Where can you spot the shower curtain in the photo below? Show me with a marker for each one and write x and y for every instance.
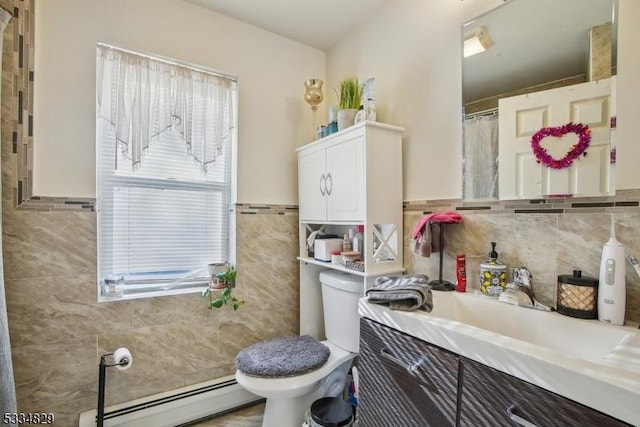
(7, 386)
(480, 153)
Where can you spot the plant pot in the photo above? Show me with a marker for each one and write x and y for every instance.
(216, 284)
(346, 118)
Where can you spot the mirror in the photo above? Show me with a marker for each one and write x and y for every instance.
(530, 46)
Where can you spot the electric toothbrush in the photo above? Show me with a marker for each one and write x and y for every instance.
(612, 284)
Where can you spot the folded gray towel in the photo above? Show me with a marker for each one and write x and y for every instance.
(407, 293)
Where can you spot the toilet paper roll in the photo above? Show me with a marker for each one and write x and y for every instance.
(123, 359)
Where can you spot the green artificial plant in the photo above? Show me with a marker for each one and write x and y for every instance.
(228, 281)
(350, 94)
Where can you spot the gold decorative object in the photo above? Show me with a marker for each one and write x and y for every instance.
(313, 96)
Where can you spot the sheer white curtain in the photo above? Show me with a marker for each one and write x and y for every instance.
(7, 386)
(480, 151)
(142, 97)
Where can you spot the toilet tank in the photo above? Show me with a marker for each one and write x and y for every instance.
(340, 295)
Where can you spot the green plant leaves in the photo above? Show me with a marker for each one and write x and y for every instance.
(224, 299)
(350, 93)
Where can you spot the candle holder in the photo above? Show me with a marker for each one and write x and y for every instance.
(313, 96)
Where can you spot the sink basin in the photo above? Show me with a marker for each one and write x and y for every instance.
(590, 340)
(587, 361)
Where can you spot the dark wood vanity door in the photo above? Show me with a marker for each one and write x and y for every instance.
(492, 398)
(404, 381)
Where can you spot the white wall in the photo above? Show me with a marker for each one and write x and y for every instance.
(413, 49)
(271, 70)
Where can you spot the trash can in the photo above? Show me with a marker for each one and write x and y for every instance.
(331, 412)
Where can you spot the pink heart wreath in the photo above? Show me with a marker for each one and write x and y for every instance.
(542, 156)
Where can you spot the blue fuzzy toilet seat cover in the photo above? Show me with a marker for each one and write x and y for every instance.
(283, 357)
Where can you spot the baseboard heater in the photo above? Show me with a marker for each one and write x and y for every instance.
(176, 407)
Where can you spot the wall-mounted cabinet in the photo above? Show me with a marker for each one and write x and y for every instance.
(354, 178)
(348, 180)
(331, 180)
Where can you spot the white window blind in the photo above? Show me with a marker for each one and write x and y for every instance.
(164, 138)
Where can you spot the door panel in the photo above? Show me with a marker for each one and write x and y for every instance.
(490, 398)
(311, 186)
(404, 381)
(521, 176)
(345, 175)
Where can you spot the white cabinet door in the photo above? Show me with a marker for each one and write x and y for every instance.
(345, 181)
(521, 176)
(312, 186)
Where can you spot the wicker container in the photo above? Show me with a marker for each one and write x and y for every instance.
(578, 295)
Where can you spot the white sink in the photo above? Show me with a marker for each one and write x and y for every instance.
(587, 361)
(590, 340)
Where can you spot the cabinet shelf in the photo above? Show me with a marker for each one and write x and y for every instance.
(340, 267)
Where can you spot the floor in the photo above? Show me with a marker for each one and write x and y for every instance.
(247, 417)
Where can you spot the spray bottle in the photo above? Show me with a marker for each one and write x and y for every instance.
(612, 283)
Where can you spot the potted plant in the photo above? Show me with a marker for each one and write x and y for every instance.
(349, 99)
(225, 281)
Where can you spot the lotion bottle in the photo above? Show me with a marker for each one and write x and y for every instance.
(612, 283)
(493, 274)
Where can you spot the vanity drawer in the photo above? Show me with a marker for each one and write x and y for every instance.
(404, 381)
(491, 398)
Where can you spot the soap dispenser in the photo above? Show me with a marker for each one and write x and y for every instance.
(493, 274)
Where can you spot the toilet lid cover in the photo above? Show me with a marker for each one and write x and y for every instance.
(283, 357)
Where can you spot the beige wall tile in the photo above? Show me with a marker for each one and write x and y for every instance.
(52, 373)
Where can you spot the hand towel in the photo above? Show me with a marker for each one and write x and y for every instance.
(448, 217)
(426, 232)
(408, 293)
(426, 243)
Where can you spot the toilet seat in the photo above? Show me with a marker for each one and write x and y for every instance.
(283, 357)
(295, 385)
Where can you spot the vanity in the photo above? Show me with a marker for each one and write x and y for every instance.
(475, 361)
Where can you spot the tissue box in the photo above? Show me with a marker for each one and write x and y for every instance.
(322, 248)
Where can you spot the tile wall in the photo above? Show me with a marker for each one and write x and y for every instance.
(548, 237)
(58, 330)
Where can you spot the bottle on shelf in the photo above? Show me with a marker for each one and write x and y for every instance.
(357, 243)
(346, 243)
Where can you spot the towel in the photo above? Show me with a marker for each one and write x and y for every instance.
(428, 228)
(448, 217)
(407, 293)
(426, 244)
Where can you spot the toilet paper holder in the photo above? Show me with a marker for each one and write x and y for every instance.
(121, 360)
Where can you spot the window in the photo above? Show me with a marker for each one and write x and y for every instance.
(165, 134)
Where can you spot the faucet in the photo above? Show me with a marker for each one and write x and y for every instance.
(520, 291)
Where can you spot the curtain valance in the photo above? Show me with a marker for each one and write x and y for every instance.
(142, 97)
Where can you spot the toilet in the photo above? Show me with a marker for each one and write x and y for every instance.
(289, 397)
